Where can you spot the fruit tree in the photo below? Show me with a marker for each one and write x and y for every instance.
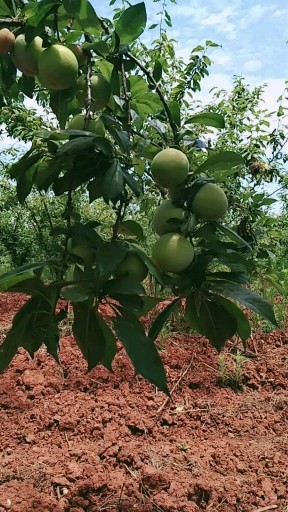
(120, 130)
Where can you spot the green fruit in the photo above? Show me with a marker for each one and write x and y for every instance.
(163, 213)
(132, 266)
(172, 253)
(100, 91)
(81, 251)
(25, 56)
(170, 168)
(58, 68)
(210, 202)
(79, 54)
(94, 125)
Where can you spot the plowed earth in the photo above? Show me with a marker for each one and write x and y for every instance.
(78, 442)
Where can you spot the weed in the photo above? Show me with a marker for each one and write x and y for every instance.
(231, 378)
(183, 447)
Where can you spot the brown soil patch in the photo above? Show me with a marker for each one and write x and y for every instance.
(78, 442)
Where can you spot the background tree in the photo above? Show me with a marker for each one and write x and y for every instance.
(137, 122)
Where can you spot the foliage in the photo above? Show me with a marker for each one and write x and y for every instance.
(149, 109)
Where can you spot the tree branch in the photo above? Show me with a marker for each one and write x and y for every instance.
(11, 22)
(152, 81)
(126, 98)
(159, 92)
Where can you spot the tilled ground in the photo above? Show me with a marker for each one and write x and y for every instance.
(80, 442)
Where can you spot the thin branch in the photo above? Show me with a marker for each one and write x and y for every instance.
(126, 98)
(56, 26)
(159, 92)
(46, 210)
(104, 25)
(120, 214)
(89, 93)
(275, 155)
(37, 225)
(67, 214)
(11, 22)
(183, 374)
(150, 78)
(265, 509)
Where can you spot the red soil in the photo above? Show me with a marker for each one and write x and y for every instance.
(80, 442)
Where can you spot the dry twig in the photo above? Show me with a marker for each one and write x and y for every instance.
(183, 374)
(265, 509)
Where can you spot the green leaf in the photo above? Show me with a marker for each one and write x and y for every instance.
(157, 71)
(226, 160)
(236, 277)
(191, 312)
(87, 18)
(19, 274)
(42, 11)
(174, 108)
(212, 320)
(88, 336)
(138, 86)
(132, 302)
(4, 11)
(59, 103)
(132, 183)
(110, 343)
(140, 349)
(114, 181)
(233, 236)
(124, 284)
(131, 228)
(77, 292)
(234, 260)
(74, 7)
(109, 257)
(9, 281)
(247, 297)
(131, 23)
(27, 161)
(46, 172)
(149, 103)
(162, 318)
(207, 119)
(33, 324)
(121, 138)
(243, 326)
(11, 343)
(27, 85)
(25, 183)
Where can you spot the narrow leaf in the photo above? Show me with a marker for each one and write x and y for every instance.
(207, 119)
(243, 326)
(247, 297)
(131, 24)
(88, 336)
(140, 349)
(162, 318)
(226, 160)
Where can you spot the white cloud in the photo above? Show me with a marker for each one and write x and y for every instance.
(255, 13)
(252, 65)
